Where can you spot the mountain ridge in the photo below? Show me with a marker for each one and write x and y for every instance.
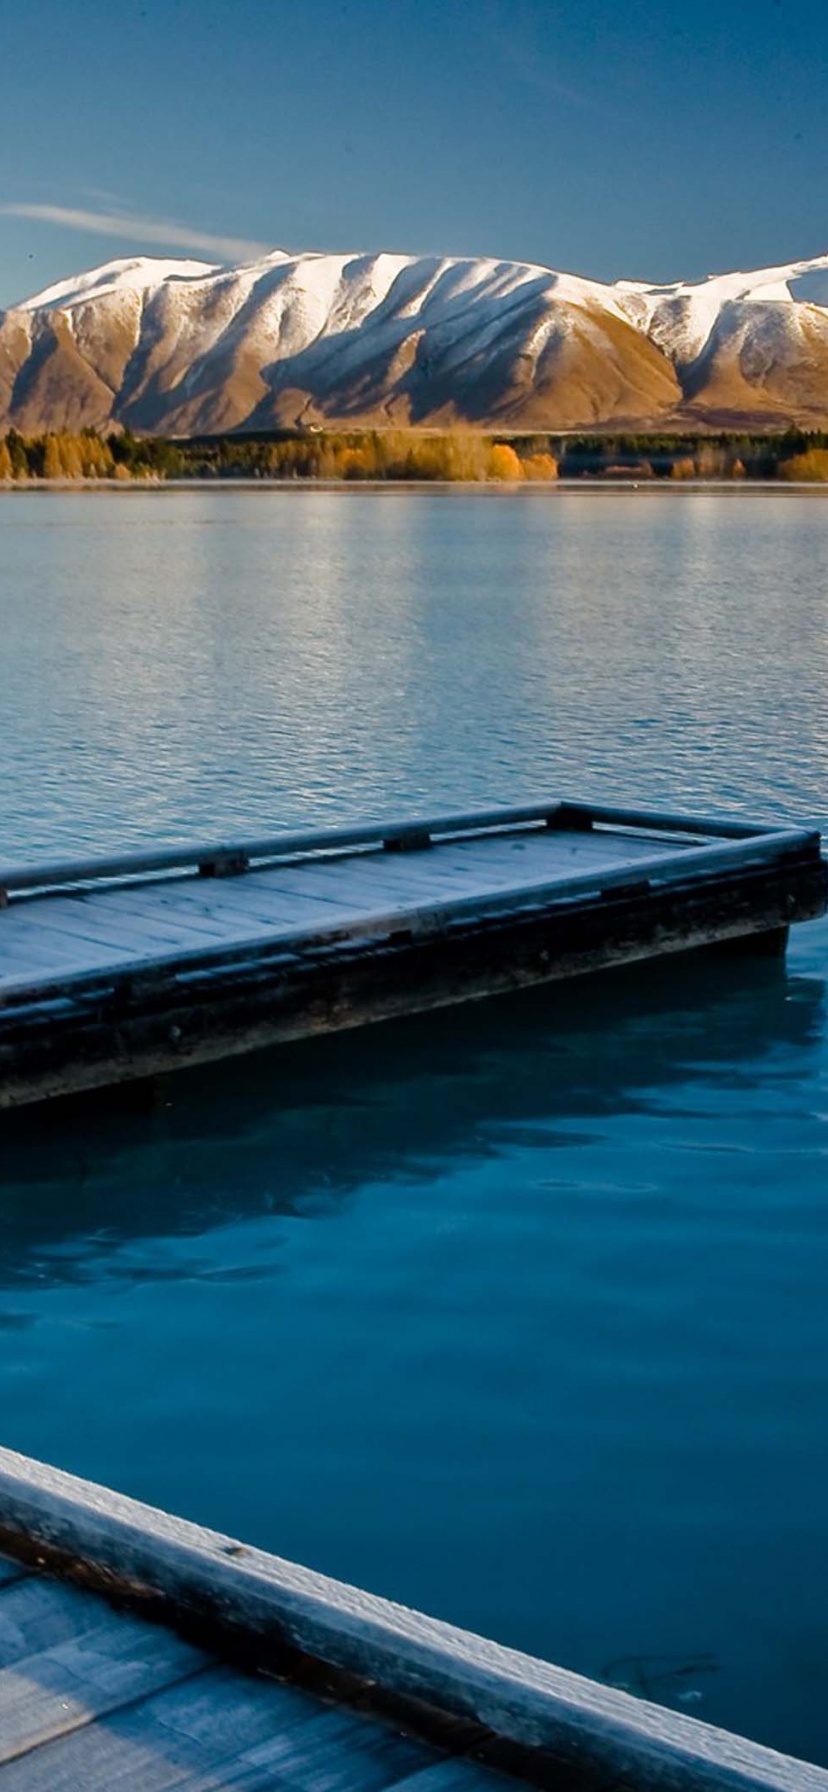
(183, 347)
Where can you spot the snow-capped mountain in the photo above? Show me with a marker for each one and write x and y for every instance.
(183, 348)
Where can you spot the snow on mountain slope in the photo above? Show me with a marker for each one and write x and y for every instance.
(184, 347)
(682, 318)
(133, 275)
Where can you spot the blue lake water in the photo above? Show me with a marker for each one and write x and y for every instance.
(515, 1313)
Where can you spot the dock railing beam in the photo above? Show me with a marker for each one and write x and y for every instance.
(602, 1739)
(223, 858)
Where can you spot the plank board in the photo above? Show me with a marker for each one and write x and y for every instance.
(542, 857)
(182, 1735)
(169, 905)
(34, 1616)
(337, 1751)
(120, 1661)
(396, 878)
(257, 902)
(75, 926)
(26, 950)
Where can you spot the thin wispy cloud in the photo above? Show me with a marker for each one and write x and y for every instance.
(515, 39)
(160, 231)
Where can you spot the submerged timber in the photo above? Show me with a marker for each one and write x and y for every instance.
(144, 1652)
(121, 968)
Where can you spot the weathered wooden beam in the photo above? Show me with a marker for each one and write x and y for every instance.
(50, 874)
(600, 1739)
(724, 826)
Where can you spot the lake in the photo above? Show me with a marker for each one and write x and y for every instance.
(515, 1313)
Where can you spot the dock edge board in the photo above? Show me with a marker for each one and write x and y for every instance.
(180, 1573)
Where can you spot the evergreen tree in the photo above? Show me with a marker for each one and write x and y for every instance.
(17, 450)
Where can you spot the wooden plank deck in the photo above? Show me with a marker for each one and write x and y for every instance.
(124, 967)
(139, 1653)
(93, 1698)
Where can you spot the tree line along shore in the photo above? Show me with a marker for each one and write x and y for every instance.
(454, 456)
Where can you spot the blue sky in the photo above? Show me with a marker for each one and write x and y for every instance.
(628, 138)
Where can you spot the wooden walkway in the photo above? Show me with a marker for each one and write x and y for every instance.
(139, 1653)
(93, 1699)
(124, 967)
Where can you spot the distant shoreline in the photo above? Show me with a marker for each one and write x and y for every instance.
(417, 487)
(330, 458)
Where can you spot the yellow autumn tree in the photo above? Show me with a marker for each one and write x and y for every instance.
(357, 463)
(504, 463)
(684, 468)
(540, 467)
(5, 462)
(52, 458)
(95, 458)
(465, 455)
(326, 467)
(63, 455)
(71, 456)
(812, 467)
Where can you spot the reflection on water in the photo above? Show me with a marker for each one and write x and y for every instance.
(331, 1115)
(181, 662)
(515, 1313)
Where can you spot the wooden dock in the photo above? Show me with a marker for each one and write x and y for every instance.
(135, 965)
(140, 1653)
